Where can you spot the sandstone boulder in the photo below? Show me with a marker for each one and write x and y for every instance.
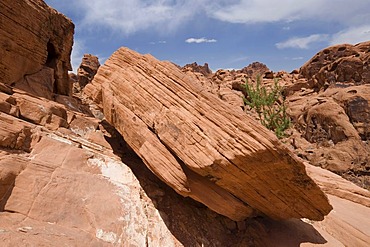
(195, 143)
(67, 185)
(35, 39)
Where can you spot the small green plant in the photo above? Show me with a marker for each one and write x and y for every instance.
(269, 104)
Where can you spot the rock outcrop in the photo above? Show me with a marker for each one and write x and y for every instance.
(35, 47)
(331, 111)
(349, 64)
(194, 142)
(255, 69)
(86, 72)
(335, 128)
(194, 67)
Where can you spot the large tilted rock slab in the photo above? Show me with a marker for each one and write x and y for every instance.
(34, 37)
(199, 145)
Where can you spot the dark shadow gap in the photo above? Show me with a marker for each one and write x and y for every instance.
(51, 62)
(6, 188)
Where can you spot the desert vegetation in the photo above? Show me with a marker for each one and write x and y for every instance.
(269, 104)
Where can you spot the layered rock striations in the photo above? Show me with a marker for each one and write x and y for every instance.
(35, 46)
(67, 177)
(200, 146)
(62, 184)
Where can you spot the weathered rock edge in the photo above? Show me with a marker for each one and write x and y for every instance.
(199, 146)
(34, 36)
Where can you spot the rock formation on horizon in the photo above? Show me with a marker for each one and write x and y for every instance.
(194, 67)
(68, 178)
(345, 63)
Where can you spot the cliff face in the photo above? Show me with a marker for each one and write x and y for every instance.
(36, 43)
(68, 177)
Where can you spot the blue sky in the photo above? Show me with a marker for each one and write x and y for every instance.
(226, 34)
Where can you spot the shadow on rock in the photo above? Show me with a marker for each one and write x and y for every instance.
(193, 224)
(291, 233)
(7, 182)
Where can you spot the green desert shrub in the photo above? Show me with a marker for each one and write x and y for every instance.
(269, 104)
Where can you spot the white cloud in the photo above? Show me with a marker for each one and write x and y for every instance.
(158, 42)
(77, 54)
(130, 16)
(254, 11)
(352, 35)
(302, 42)
(200, 40)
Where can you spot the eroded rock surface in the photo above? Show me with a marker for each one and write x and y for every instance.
(35, 44)
(194, 67)
(330, 123)
(197, 145)
(86, 72)
(335, 127)
(343, 63)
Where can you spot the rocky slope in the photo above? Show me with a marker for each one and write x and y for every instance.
(330, 113)
(67, 177)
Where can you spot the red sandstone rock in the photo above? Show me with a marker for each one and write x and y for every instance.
(86, 72)
(339, 64)
(255, 69)
(34, 36)
(191, 140)
(194, 67)
(63, 182)
(335, 127)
